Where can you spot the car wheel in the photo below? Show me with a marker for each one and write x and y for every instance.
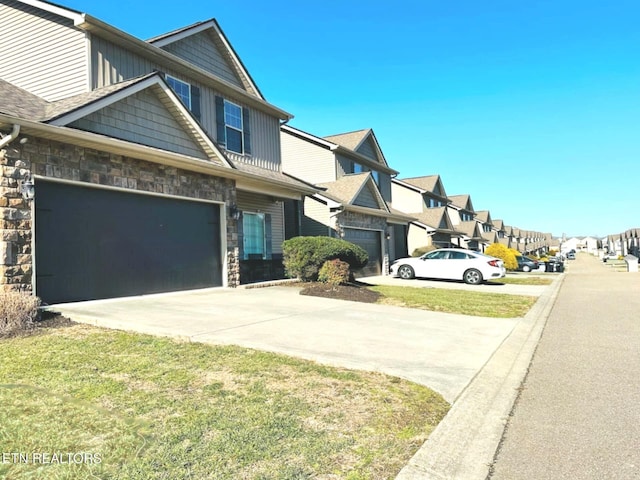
(406, 272)
(472, 277)
(526, 268)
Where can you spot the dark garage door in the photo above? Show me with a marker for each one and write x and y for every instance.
(95, 243)
(370, 241)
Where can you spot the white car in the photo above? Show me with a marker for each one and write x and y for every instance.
(452, 264)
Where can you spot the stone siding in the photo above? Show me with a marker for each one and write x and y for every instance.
(56, 160)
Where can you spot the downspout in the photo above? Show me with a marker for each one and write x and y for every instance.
(11, 137)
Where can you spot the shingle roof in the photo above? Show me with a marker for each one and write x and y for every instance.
(349, 140)
(346, 188)
(427, 183)
(431, 217)
(460, 200)
(468, 228)
(483, 216)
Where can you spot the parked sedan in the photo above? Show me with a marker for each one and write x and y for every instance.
(526, 264)
(452, 264)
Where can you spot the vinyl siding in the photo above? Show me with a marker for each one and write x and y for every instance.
(307, 161)
(405, 199)
(41, 52)
(201, 50)
(143, 119)
(343, 165)
(367, 149)
(113, 64)
(252, 202)
(385, 187)
(417, 238)
(315, 218)
(454, 216)
(366, 198)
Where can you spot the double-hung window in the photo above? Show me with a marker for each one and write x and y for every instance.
(233, 126)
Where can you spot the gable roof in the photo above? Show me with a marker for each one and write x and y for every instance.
(87, 23)
(470, 229)
(348, 188)
(211, 27)
(498, 224)
(436, 218)
(429, 183)
(462, 201)
(355, 141)
(484, 216)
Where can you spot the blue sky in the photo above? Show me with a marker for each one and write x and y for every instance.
(532, 108)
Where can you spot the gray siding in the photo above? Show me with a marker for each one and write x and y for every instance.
(143, 119)
(366, 198)
(307, 161)
(344, 165)
(41, 52)
(253, 202)
(113, 64)
(315, 218)
(368, 150)
(201, 50)
(385, 187)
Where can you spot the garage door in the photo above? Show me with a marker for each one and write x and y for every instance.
(96, 243)
(370, 241)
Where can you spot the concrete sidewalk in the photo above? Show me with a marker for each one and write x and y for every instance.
(578, 416)
(463, 445)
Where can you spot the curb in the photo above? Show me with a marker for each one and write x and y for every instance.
(464, 444)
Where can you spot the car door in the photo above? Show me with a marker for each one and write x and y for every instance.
(433, 265)
(457, 264)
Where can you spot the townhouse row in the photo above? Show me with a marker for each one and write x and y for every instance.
(132, 167)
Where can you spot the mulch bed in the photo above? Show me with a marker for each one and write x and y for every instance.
(47, 320)
(353, 292)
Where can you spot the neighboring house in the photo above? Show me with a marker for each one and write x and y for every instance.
(156, 164)
(354, 202)
(425, 199)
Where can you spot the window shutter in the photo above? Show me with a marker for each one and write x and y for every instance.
(246, 131)
(195, 101)
(267, 236)
(240, 237)
(220, 125)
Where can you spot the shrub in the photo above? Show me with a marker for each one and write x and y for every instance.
(334, 272)
(418, 252)
(505, 254)
(303, 256)
(18, 311)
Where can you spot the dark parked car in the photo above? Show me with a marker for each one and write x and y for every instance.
(571, 256)
(526, 264)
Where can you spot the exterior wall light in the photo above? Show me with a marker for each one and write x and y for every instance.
(27, 187)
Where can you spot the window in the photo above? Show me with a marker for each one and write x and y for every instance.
(357, 168)
(181, 89)
(253, 230)
(376, 177)
(233, 126)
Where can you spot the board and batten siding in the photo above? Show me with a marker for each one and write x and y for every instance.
(41, 52)
(147, 122)
(307, 161)
(112, 64)
(201, 50)
(257, 203)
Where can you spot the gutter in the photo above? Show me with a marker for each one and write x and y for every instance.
(11, 137)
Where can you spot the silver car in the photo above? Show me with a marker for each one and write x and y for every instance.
(452, 264)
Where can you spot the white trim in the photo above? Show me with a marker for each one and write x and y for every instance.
(187, 32)
(224, 254)
(226, 125)
(48, 7)
(179, 81)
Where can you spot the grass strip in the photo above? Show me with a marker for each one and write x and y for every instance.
(464, 302)
(155, 408)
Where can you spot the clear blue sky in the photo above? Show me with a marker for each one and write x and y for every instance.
(531, 107)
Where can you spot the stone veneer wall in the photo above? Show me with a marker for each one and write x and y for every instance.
(348, 219)
(83, 165)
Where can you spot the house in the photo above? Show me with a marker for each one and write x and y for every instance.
(353, 203)
(155, 164)
(425, 198)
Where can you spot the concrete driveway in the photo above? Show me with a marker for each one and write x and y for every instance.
(442, 351)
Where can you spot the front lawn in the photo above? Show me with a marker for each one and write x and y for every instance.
(463, 302)
(131, 406)
(528, 280)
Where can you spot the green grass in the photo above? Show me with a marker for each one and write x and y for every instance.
(153, 408)
(529, 280)
(463, 302)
